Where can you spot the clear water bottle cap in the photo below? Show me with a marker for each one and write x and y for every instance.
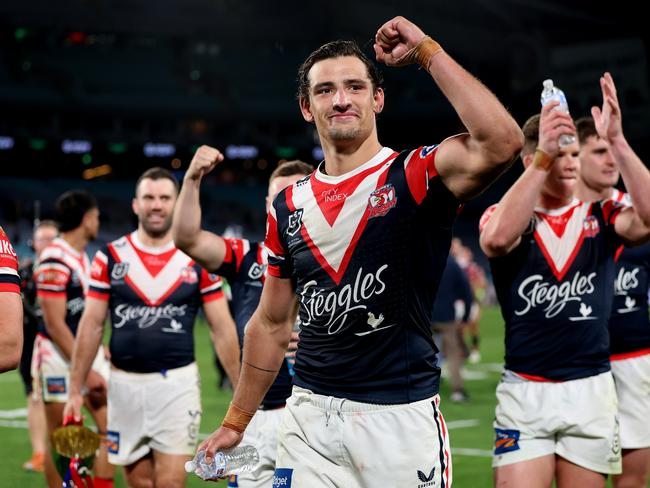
(190, 466)
(548, 84)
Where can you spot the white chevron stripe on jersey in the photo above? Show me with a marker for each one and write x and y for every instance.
(152, 289)
(333, 242)
(561, 251)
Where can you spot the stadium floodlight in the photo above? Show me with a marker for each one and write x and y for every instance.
(158, 150)
(241, 152)
(6, 143)
(76, 146)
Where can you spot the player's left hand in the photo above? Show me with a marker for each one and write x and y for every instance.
(394, 41)
(220, 439)
(608, 120)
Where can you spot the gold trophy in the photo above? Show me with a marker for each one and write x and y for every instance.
(76, 442)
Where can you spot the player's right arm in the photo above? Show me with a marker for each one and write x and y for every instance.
(265, 343)
(501, 231)
(206, 248)
(11, 318)
(86, 344)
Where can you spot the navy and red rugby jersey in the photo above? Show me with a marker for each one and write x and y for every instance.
(63, 272)
(365, 251)
(244, 267)
(9, 279)
(556, 290)
(154, 295)
(629, 325)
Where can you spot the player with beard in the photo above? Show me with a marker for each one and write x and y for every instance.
(552, 259)
(361, 244)
(629, 324)
(153, 292)
(62, 278)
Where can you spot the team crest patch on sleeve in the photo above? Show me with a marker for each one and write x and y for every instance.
(427, 150)
(507, 440)
(295, 222)
(112, 441)
(381, 201)
(56, 385)
(282, 478)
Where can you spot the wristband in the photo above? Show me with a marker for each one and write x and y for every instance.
(421, 53)
(542, 160)
(236, 419)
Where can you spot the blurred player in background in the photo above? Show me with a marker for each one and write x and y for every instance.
(153, 293)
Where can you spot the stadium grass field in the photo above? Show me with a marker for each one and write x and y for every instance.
(470, 424)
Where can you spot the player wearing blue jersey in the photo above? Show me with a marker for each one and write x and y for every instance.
(153, 292)
(629, 324)
(552, 258)
(361, 245)
(243, 264)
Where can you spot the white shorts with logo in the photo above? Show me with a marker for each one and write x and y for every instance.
(575, 419)
(632, 378)
(53, 370)
(153, 411)
(262, 433)
(326, 441)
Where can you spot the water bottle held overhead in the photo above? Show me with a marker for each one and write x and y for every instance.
(552, 93)
(240, 459)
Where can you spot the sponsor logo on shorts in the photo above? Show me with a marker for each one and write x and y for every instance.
(232, 481)
(193, 427)
(506, 441)
(427, 480)
(282, 478)
(56, 385)
(112, 441)
(381, 201)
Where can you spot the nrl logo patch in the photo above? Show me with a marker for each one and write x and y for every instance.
(119, 271)
(295, 222)
(381, 201)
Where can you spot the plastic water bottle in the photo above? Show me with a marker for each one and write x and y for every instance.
(551, 93)
(240, 459)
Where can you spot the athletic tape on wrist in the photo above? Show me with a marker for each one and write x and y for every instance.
(542, 160)
(237, 419)
(421, 53)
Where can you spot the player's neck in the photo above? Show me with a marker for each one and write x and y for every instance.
(550, 202)
(153, 241)
(343, 158)
(587, 193)
(76, 239)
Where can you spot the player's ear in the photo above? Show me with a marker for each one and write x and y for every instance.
(378, 101)
(305, 109)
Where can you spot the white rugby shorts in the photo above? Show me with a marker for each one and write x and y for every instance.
(153, 411)
(577, 420)
(632, 379)
(326, 441)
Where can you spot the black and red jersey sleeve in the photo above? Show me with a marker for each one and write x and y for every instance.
(100, 283)
(420, 167)
(9, 279)
(279, 264)
(52, 278)
(210, 286)
(236, 250)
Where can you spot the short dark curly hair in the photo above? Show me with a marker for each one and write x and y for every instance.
(336, 49)
(71, 208)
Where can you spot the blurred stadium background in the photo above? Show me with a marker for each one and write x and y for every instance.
(94, 92)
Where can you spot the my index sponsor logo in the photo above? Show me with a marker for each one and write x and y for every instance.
(553, 297)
